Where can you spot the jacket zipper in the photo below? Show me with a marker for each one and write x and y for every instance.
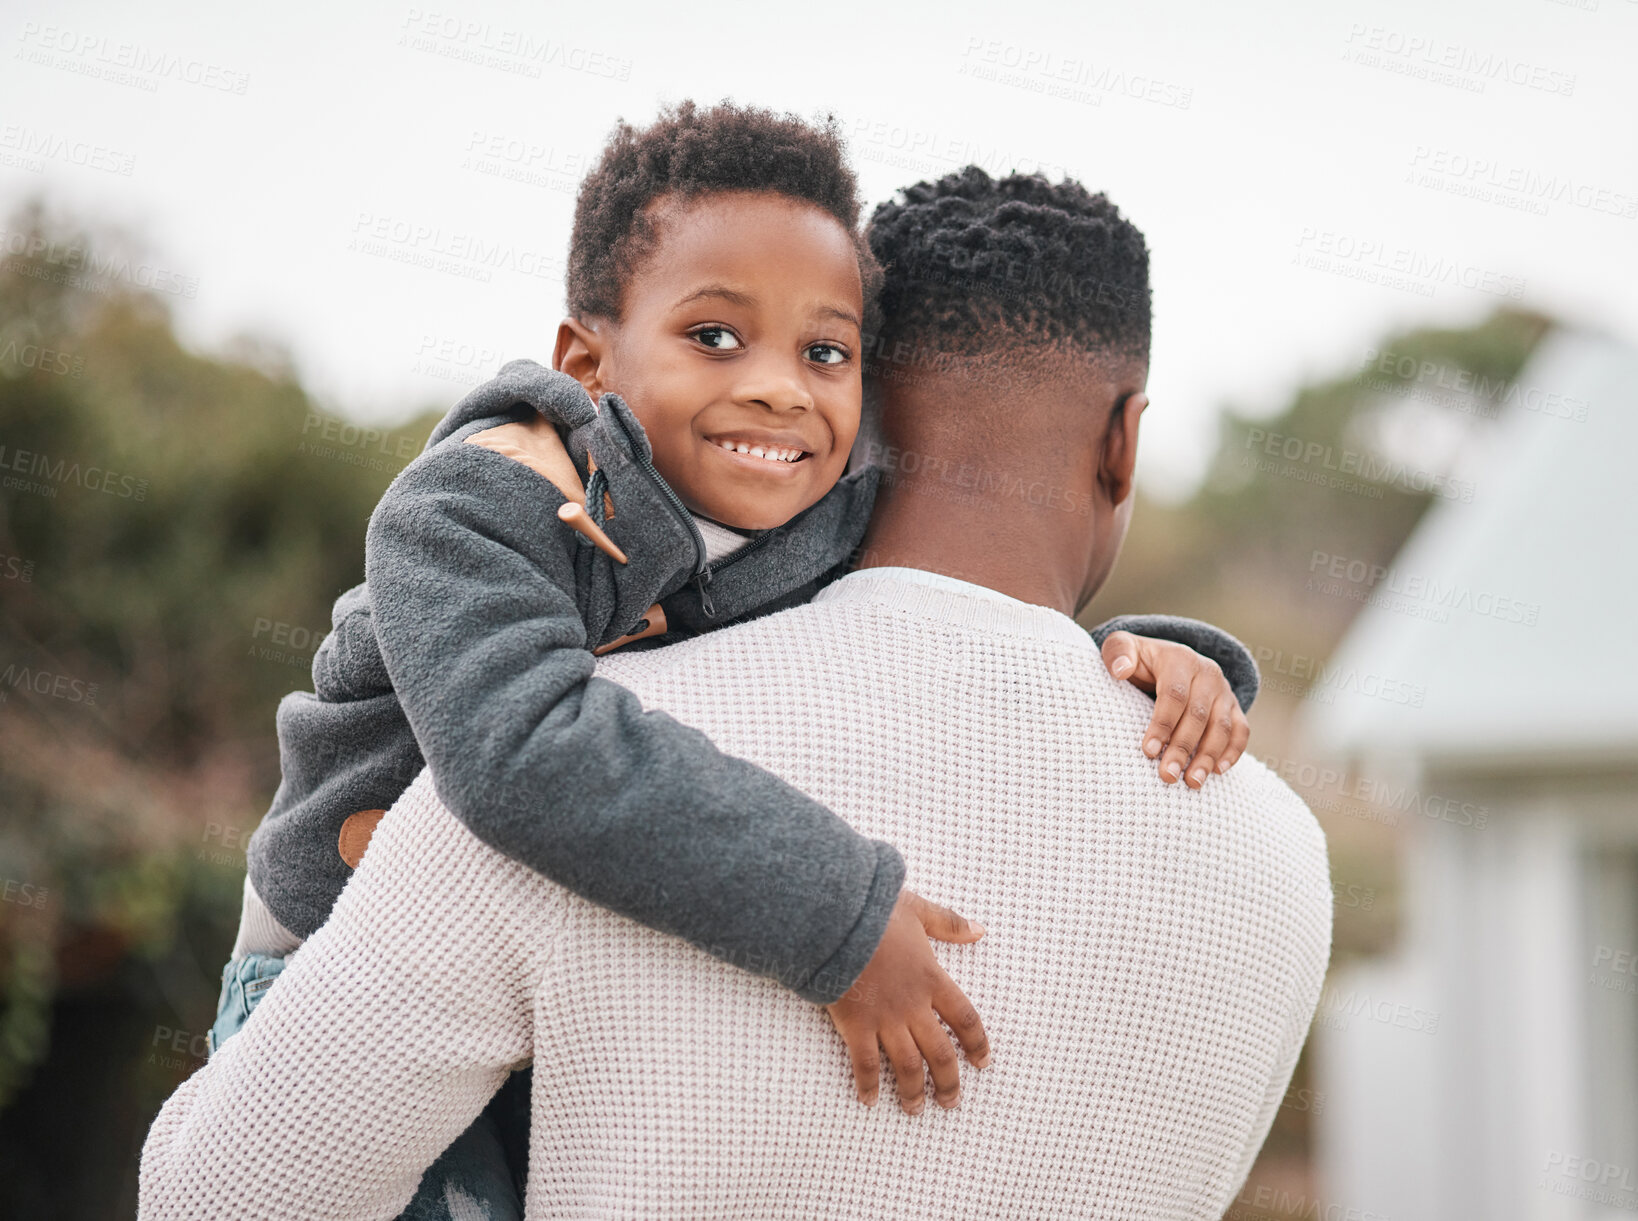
(765, 537)
(705, 574)
(702, 570)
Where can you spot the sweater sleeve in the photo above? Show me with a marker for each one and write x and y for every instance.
(471, 583)
(1238, 665)
(381, 1042)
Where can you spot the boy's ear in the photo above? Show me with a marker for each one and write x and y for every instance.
(579, 352)
(1117, 465)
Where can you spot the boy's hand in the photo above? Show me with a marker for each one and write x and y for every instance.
(897, 1001)
(1195, 709)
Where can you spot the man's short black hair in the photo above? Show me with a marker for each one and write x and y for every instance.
(969, 256)
(689, 152)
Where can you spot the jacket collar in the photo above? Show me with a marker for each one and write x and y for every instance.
(641, 514)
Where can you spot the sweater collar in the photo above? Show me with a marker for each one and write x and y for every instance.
(720, 540)
(955, 602)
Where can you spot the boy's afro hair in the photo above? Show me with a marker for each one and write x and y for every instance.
(688, 152)
(971, 254)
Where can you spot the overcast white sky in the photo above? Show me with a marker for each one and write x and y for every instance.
(1284, 158)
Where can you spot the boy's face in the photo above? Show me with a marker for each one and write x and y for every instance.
(739, 351)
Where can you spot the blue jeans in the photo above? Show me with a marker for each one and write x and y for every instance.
(473, 1180)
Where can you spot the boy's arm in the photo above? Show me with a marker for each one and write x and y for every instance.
(471, 587)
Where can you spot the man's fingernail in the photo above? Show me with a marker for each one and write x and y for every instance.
(1198, 775)
(1152, 747)
(1222, 766)
(1121, 666)
(916, 1105)
(976, 927)
(983, 1061)
(1173, 769)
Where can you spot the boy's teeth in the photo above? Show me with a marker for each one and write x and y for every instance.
(767, 452)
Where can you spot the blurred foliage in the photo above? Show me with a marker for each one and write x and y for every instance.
(163, 513)
(142, 653)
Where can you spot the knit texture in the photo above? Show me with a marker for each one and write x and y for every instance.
(1153, 960)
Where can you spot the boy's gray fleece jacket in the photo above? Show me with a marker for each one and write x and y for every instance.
(468, 648)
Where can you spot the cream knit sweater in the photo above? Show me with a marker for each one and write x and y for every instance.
(1153, 959)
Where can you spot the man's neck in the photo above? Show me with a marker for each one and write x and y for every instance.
(999, 475)
(990, 543)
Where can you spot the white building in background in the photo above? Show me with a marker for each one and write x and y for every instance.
(1489, 1067)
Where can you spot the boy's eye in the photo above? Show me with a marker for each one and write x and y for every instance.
(827, 354)
(718, 337)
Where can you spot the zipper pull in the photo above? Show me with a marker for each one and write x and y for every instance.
(576, 518)
(706, 605)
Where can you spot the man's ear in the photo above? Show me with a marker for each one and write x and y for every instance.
(1117, 470)
(579, 352)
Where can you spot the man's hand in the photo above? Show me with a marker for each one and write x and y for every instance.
(897, 1001)
(1195, 709)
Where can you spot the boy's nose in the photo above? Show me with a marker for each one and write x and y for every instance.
(775, 389)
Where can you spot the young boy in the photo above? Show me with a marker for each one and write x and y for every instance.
(718, 285)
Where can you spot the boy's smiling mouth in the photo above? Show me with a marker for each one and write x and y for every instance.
(762, 450)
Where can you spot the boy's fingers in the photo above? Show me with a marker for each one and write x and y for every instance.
(905, 1057)
(1121, 655)
(941, 923)
(958, 1013)
(942, 1061)
(867, 1066)
(1237, 743)
(1171, 701)
(1186, 736)
(1219, 733)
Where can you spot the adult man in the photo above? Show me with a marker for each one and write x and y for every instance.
(1154, 953)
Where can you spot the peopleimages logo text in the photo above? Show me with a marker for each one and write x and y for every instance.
(71, 257)
(61, 471)
(95, 53)
(1372, 468)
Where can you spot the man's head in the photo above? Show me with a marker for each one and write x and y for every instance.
(717, 283)
(1015, 345)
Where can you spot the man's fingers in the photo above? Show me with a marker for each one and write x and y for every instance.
(1187, 733)
(941, 923)
(1219, 733)
(905, 1057)
(958, 1013)
(942, 1061)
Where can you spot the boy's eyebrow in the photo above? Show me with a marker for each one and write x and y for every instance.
(846, 315)
(721, 292)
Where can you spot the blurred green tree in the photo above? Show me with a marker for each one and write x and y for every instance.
(173, 529)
